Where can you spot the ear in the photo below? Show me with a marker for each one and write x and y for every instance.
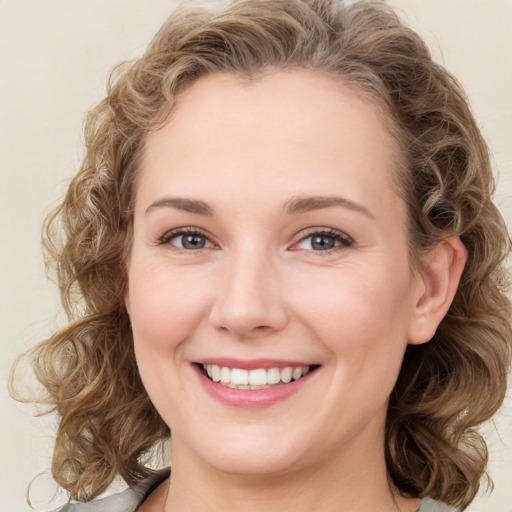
(436, 287)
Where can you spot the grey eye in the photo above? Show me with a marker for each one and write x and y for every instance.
(322, 242)
(191, 241)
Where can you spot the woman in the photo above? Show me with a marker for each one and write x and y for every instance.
(281, 247)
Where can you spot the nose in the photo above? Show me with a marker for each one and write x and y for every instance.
(249, 302)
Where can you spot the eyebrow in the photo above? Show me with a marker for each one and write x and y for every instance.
(298, 204)
(301, 204)
(179, 203)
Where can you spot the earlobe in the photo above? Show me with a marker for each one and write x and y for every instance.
(438, 282)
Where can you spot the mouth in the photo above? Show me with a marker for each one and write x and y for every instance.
(254, 379)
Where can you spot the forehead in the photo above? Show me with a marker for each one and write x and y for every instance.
(283, 132)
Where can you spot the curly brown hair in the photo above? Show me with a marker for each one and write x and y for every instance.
(446, 387)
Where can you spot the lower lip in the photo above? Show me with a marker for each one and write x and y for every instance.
(251, 398)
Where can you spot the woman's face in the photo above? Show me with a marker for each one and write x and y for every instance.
(270, 242)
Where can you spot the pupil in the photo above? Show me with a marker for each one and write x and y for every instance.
(193, 242)
(322, 242)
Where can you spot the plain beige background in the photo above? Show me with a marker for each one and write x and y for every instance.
(54, 59)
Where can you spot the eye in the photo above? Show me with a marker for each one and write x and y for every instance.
(188, 239)
(324, 241)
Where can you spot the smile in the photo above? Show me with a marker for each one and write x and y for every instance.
(258, 384)
(259, 378)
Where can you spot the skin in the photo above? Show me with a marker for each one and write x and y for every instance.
(260, 289)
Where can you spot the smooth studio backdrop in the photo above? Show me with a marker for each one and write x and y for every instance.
(55, 56)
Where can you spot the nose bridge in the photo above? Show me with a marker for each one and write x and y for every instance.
(248, 302)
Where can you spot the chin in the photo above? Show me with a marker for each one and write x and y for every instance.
(249, 464)
(251, 455)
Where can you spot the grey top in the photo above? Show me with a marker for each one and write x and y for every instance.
(435, 506)
(128, 500)
(132, 498)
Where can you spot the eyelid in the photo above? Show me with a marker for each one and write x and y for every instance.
(346, 240)
(185, 230)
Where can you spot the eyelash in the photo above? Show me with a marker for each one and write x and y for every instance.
(339, 237)
(176, 233)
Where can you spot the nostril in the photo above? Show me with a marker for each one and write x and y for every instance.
(244, 331)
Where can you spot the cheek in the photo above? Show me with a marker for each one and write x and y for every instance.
(359, 312)
(165, 306)
(165, 310)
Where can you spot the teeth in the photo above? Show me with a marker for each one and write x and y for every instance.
(239, 377)
(273, 376)
(214, 372)
(225, 375)
(286, 374)
(259, 378)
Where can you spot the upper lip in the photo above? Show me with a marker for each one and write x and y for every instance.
(252, 364)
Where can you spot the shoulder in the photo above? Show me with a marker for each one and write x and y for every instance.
(126, 501)
(428, 505)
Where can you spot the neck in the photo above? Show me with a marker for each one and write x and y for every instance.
(358, 483)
